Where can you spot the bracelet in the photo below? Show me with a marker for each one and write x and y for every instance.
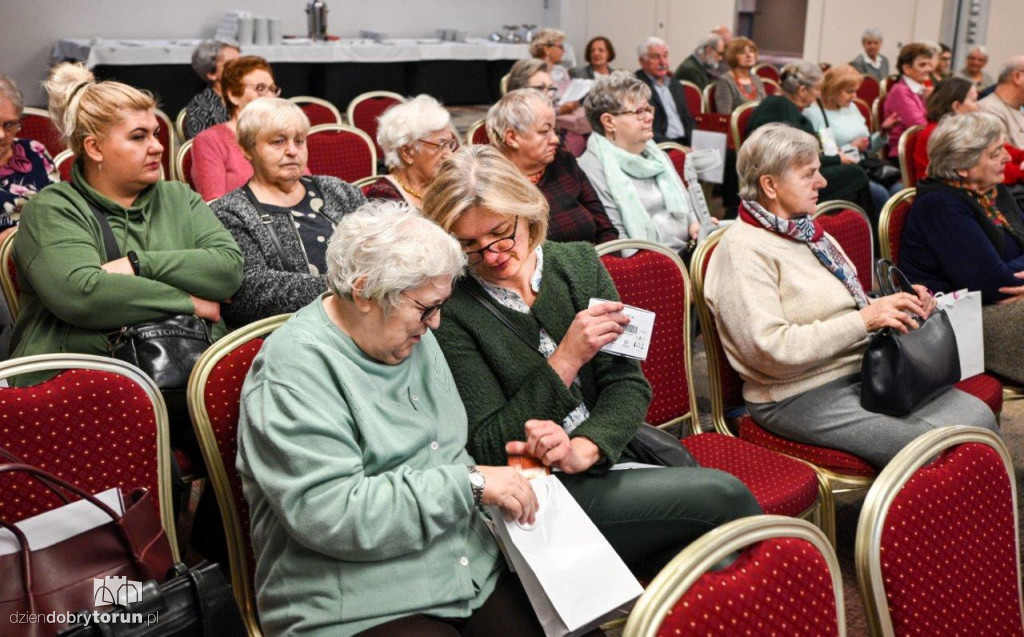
(133, 260)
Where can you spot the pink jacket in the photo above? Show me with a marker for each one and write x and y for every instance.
(900, 99)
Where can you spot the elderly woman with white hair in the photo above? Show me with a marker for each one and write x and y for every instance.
(522, 126)
(795, 319)
(416, 137)
(966, 231)
(207, 108)
(974, 68)
(365, 504)
(801, 86)
(871, 62)
(280, 219)
(642, 193)
(25, 166)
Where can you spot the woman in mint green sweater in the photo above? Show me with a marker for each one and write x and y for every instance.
(559, 399)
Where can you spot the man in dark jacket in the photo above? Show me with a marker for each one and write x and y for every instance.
(672, 120)
(704, 59)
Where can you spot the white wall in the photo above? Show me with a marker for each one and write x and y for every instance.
(1003, 41)
(32, 28)
(834, 27)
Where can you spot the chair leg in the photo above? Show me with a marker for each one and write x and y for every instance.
(827, 510)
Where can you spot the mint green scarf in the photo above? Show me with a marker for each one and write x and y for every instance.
(621, 167)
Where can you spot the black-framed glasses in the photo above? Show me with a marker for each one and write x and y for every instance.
(12, 126)
(503, 244)
(428, 312)
(643, 111)
(451, 144)
(262, 89)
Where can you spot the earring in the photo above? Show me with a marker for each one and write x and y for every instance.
(100, 166)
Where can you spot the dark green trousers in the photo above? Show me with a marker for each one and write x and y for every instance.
(649, 515)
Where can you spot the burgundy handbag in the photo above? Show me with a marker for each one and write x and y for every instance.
(40, 589)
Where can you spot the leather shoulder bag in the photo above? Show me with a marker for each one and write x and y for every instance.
(901, 372)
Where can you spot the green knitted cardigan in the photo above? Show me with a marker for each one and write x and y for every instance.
(503, 383)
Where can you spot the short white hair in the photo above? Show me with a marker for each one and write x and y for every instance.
(873, 33)
(268, 116)
(517, 111)
(393, 248)
(646, 45)
(403, 124)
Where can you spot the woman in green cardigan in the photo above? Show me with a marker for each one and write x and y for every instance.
(560, 399)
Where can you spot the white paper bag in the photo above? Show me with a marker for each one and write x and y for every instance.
(964, 311)
(573, 577)
(703, 140)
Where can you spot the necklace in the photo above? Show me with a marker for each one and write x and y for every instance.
(748, 93)
(407, 188)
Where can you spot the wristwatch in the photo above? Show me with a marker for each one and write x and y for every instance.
(477, 482)
(133, 260)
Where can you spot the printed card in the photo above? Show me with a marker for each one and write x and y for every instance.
(633, 343)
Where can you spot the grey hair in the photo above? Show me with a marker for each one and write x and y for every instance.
(958, 142)
(268, 116)
(773, 149)
(710, 40)
(545, 38)
(646, 45)
(608, 94)
(11, 91)
(204, 57)
(521, 72)
(874, 33)
(404, 124)
(393, 248)
(797, 74)
(517, 111)
(980, 49)
(1014, 64)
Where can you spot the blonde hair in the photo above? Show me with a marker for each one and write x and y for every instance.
(80, 106)
(517, 111)
(543, 39)
(480, 177)
(267, 116)
(839, 78)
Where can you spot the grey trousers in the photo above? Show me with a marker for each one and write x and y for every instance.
(831, 416)
(1003, 327)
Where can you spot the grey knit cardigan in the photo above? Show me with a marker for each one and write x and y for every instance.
(271, 285)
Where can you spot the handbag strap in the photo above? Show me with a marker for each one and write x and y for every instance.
(821, 107)
(10, 457)
(26, 563)
(267, 220)
(487, 303)
(109, 242)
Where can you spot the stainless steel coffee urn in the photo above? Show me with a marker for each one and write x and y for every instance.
(316, 19)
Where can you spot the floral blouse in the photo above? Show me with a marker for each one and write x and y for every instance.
(28, 171)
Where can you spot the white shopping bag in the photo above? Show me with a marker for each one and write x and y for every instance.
(704, 140)
(964, 311)
(573, 577)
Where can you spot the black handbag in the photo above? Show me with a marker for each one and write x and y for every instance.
(649, 445)
(880, 171)
(194, 602)
(901, 372)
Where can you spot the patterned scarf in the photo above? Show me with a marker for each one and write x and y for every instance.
(803, 229)
(987, 201)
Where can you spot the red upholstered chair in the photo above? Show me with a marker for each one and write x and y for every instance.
(341, 151)
(168, 139)
(183, 164)
(869, 89)
(655, 279)
(36, 124)
(365, 183)
(319, 111)
(63, 161)
(477, 133)
(767, 71)
(179, 125)
(877, 108)
(738, 122)
(910, 169)
(865, 112)
(98, 423)
(709, 100)
(9, 273)
(214, 399)
(694, 97)
(851, 227)
(938, 550)
(676, 153)
(771, 87)
(889, 81)
(364, 110)
(786, 581)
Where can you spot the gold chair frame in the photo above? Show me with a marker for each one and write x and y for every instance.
(365, 181)
(473, 128)
(884, 240)
(709, 104)
(888, 485)
(703, 98)
(826, 207)
(701, 555)
(240, 580)
(362, 97)
(179, 161)
(903, 155)
(61, 362)
(734, 121)
(179, 126)
(309, 99)
(7, 285)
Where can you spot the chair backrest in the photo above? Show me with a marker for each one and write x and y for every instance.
(365, 183)
(909, 168)
(364, 110)
(869, 89)
(98, 423)
(786, 581)
(179, 126)
(477, 133)
(709, 99)
(169, 139)
(888, 82)
(183, 164)
(725, 384)
(938, 549)
(9, 273)
(865, 112)
(767, 71)
(341, 151)
(214, 401)
(63, 162)
(503, 84)
(877, 110)
(891, 221)
(738, 122)
(654, 278)
(694, 97)
(771, 87)
(677, 154)
(36, 124)
(851, 227)
(319, 111)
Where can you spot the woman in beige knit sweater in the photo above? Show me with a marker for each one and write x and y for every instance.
(795, 320)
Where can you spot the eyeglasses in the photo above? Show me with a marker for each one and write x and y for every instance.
(262, 89)
(12, 126)
(643, 111)
(503, 244)
(551, 90)
(451, 144)
(428, 312)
